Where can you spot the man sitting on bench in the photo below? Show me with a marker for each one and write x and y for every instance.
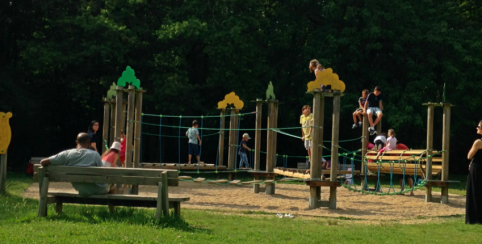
(80, 156)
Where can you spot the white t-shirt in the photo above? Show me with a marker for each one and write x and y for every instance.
(381, 138)
(392, 143)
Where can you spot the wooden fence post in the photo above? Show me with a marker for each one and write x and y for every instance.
(334, 146)
(445, 153)
(430, 113)
(316, 140)
(130, 126)
(221, 138)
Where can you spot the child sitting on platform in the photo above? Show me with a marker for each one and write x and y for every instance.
(359, 111)
(243, 158)
(391, 143)
(194, 140)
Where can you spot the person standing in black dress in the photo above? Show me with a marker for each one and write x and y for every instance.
(92, 131)
(473, 205)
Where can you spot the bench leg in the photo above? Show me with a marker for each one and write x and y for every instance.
(270, 189)
(332, 197)
(159, 201)
(42, 207)
(58, 206)
(177, 208)
(256, 188)
(111, 208)
(445, 195)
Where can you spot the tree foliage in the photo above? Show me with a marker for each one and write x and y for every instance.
(58, 59)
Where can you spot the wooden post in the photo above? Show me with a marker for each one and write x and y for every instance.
(430, 112)
(118, 112)
(137, 136)
(112, 121)
(445, 153)
(334, 146)
(275, 138)
(105, 124)
(379, 127)
(137, 130)
(130, 126)
(221, 138)
(365, 137)
(257, 137)
(270, 148)
(165, 194)
(3, 173)
(232, 154)
(315, 164)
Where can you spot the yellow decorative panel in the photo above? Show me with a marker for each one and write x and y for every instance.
(326, 78)
(5, 131)
(231, 98)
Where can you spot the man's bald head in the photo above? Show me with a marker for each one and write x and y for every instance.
(83, 140)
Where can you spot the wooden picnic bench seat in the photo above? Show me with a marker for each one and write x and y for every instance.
(160, 178)
(300, 173)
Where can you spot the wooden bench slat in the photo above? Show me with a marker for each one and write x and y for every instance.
(106, 179)
(116, 171)
(119, 197)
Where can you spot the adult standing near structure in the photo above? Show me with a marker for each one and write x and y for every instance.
(473, 205)
(92, 131)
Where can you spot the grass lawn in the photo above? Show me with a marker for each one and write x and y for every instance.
(82, 224)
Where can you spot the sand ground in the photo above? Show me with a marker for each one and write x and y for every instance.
(293, 199)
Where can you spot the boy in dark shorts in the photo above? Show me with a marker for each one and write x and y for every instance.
(194, 141)
(373, 105)
(359, 111)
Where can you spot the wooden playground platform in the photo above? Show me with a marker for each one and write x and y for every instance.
(184, 167)
(416, 162)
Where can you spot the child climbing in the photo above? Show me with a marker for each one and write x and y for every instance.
(348, 178)
(380, 141)
(194, 141)
(306, 121)
(374, 105)
(391, 143)
(316, 67)
(243, 158)
(110, 157)
(359, 111)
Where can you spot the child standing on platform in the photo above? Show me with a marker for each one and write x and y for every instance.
(243, 157)
(359, 111)
(306, 121)
(194, 141)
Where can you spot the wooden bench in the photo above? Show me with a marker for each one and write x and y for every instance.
(300, 173)
(160, 178)
(416, 162)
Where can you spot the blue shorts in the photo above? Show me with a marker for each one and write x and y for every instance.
(193, 149)
(374, 110)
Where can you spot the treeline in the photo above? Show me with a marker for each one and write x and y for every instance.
(58, 59)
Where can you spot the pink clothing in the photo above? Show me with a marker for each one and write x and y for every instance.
(391, 143)
(109, 158)
(123, 147)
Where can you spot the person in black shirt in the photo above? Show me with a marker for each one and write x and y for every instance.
(243, 150)
(92, 132)
(373, 105)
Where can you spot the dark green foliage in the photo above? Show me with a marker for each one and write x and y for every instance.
(58, 59)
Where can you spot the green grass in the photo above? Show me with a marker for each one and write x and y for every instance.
(83, 224)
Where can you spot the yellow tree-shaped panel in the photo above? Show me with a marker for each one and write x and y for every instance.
(231, 98)
(5, 131)
(326, 78)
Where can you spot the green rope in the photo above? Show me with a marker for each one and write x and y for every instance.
(193, 116)
(145, 133)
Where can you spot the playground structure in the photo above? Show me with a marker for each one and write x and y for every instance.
(5, 138)
(120, 114)
(424, 163)
(419, 163)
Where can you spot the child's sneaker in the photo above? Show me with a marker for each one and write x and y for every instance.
(279, 215)
(289, 216)
(354, 126)
(360, 124)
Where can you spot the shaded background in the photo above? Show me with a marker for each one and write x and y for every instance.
(58, 59)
